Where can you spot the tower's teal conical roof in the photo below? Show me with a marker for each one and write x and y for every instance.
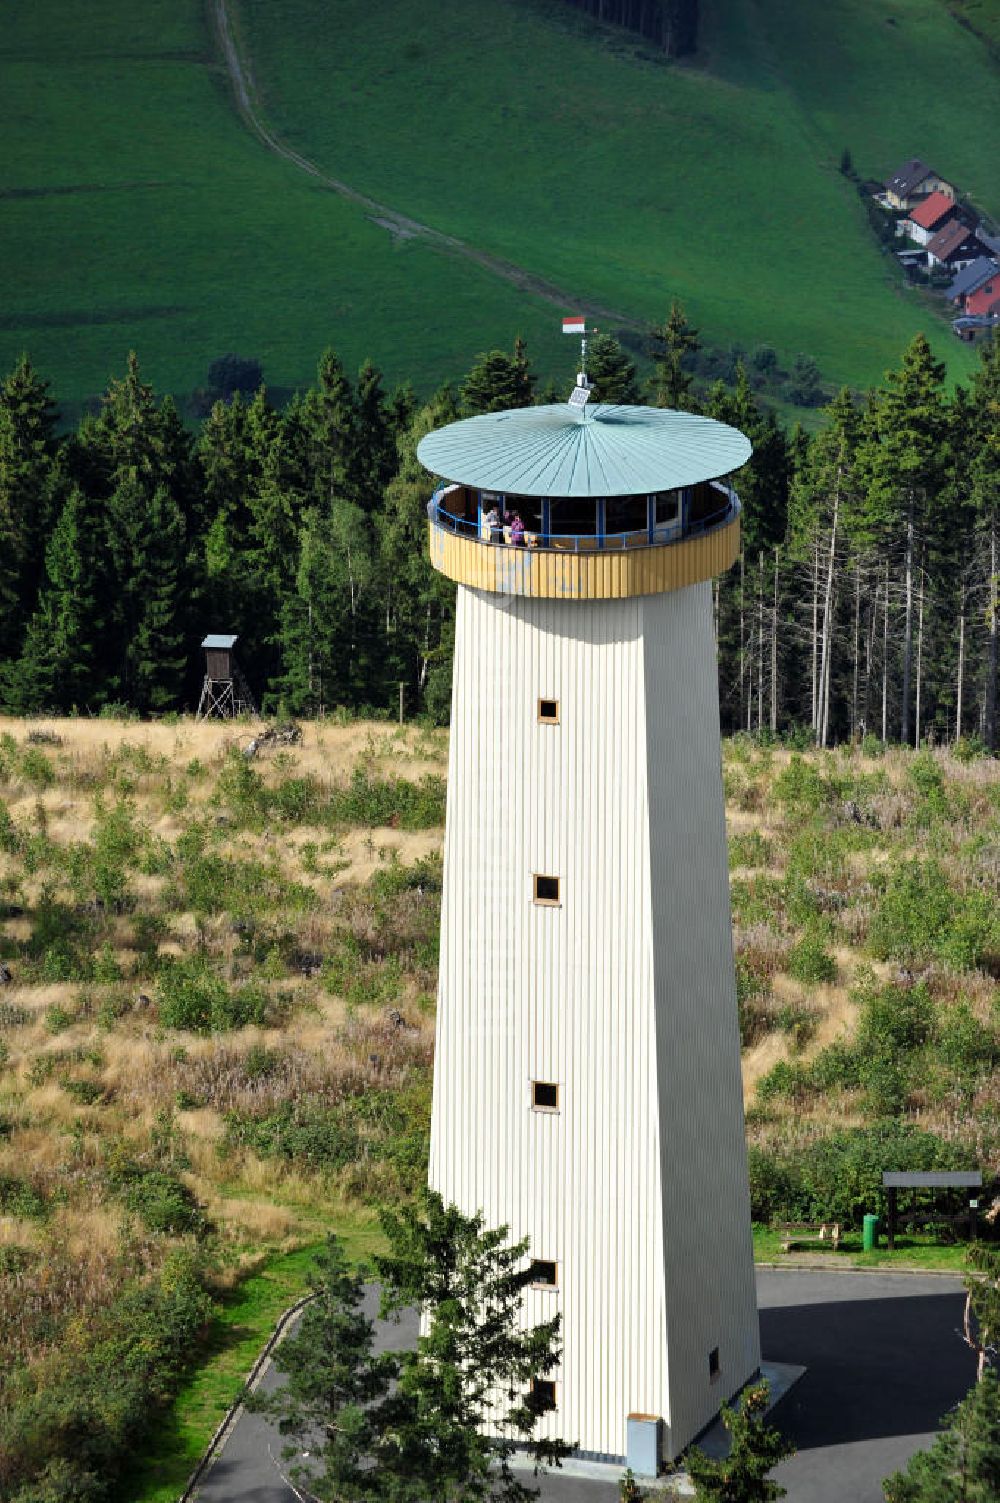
(612, 451)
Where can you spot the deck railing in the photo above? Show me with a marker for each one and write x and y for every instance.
(581, 542)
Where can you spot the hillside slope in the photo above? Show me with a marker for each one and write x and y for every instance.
(530, 130)
(136, 211)
(140, 211)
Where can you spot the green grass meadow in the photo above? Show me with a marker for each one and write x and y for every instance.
(138, 210)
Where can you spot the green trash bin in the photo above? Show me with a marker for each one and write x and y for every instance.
(869, 1233)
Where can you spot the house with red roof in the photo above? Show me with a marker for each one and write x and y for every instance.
(930, 216)
(954, 246)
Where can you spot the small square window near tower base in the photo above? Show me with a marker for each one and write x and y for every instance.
(544, 1096)
(713, 1364)
(544, 1273)
(543, 1393)
(547, 890)
(548, 711)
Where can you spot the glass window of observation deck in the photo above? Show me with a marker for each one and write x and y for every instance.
(573, 517)
(625, 514)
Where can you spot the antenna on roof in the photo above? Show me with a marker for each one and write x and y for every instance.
(575, 323)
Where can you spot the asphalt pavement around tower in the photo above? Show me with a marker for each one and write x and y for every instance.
(884, 1360)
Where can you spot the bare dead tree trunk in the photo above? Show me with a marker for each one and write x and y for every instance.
(310, 620)
(743, 652)
(992, 615)
(904, 709)
(828, 609)
(857, 649)
(774, 650)
(815, 638)
(760, 643)
(885, 662)
(920, 649)
(870, 652)
(960, 675)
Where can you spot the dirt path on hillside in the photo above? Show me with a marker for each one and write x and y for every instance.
(400, 226)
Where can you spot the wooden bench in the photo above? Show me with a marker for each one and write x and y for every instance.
(796, 1234)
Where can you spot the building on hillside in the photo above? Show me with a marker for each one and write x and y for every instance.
(985, 299)
(971, 277)
(587, 1088)
(912, 182)
(988, 243)
(955, 246)
(928, 217)
(970, 327)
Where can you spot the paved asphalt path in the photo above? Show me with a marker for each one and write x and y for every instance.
(884, 1360)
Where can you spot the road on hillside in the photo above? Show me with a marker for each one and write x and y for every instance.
(398, 225)
(884, 1358)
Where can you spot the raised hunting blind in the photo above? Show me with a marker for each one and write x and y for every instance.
(587, 1089)
(225, 693)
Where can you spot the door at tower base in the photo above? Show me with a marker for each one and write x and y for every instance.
(587, 1089)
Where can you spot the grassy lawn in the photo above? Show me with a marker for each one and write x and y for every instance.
(909, 1252)
(137, 212)
(586, 158)
(246, 1318)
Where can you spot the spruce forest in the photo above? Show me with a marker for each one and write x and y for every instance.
(864, 604)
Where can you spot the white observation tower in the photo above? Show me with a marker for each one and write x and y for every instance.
(587, 1087)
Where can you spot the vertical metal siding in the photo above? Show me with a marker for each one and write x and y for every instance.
(579, 994)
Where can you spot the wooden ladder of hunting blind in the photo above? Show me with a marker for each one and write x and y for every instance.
(225, 692)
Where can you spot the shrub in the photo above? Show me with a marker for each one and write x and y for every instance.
(316, 1134)
(750, 848)
(925, 777)
(799, 787)
(18, 1197)
(70, 1427)
(839, 1177)
(36, 768)
(162, 1202)
(194, 997)
(810, 963)
(785, 1081)
(919, 917)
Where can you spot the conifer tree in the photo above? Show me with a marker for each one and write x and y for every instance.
(411, 1426)
(27, 496)
(374, 440)
(755, 1447)
(963, 1465)
(498, 382)
(673, 342)
(329, 419)
(58, 667)
(612, 372)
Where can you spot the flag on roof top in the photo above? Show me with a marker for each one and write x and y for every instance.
(575, 324)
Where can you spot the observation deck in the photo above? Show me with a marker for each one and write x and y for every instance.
(545, 503)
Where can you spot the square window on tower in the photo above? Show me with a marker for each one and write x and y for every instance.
(543, 1393)
(548, 711)
(544, 1096)
(547, 891)
(544, 1274)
